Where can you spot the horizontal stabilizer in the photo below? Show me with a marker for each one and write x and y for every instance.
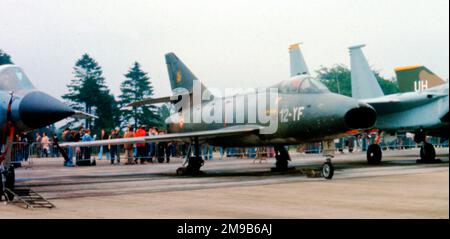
(151, 101)
(83, 115)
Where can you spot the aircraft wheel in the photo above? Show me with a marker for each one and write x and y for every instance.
(374, 154)
(328, 170)
(427, 153)
(181, 171)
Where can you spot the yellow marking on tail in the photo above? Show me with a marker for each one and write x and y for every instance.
(404, 68)
(294, 46)
(179, 76)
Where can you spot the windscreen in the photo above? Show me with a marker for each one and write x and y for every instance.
(12, 78)
(302, 85)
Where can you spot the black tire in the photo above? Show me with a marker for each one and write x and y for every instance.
(427, 153)
(374, 154)
(328, 170)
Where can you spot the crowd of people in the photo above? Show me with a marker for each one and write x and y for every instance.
(43, 145)
(140, 153)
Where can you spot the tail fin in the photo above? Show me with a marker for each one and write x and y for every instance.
(416, 78)
(364, 83)
(298, 65)
(180, 76)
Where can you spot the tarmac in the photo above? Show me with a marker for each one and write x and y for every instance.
(241, 188)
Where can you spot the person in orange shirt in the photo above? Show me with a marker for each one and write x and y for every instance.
(141, 147)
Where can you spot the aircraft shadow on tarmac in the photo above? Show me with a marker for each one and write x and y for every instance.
(262, 172)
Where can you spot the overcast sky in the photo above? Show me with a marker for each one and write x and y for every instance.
(225, 43)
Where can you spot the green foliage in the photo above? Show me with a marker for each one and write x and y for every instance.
(5, 58)
(338, 80)
(164, 112)
(388, 87)
(137, 86)
(88, 92)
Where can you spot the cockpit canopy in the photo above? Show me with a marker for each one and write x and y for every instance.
(301, 85)
(12, 78)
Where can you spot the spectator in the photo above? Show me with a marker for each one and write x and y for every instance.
(104, 136)
(129, 147)
(152, 145)
(141, 147)
(163, 150)
(77, 138)
(67, 136)
(45, 142)
(86, 151)
(38, 144)
(54, 148)
(114, 149)
(26, 147)
(207, 152)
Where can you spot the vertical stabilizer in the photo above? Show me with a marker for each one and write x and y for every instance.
(364, 83)
(416, 78)
(298, 65)
(179, 75)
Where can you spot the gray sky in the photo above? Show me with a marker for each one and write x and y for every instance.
(225, 43)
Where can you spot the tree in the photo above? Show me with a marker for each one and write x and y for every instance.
(88, 92)
(164, 112)
(5, 58)
(338, 80)
(136, 87)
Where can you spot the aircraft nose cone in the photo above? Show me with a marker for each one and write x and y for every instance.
(38, 109)
(361, 117)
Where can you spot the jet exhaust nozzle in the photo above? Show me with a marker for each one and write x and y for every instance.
(362, 117)
(37, 109)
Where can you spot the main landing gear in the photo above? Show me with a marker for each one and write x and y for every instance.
(7, 180)
(374, 154)
(427, 151)
(282, 158)
(194, 163)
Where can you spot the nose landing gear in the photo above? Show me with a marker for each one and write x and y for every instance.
(328, 169)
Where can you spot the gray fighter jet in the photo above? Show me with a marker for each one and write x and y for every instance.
(304, 111)
(23, 108)
(422, 112)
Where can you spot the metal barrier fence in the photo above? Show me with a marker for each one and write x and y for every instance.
(25, 152)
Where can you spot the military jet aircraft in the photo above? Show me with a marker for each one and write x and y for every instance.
(304, 111)
(423, 111)
(23, 108)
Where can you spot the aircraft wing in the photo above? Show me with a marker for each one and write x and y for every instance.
(83, 115)
(150, 101)
(380, 101)
(400, 102)
(201, 135)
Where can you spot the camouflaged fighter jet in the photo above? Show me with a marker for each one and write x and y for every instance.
(305, 110)
(422, 108)
(23, 108)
